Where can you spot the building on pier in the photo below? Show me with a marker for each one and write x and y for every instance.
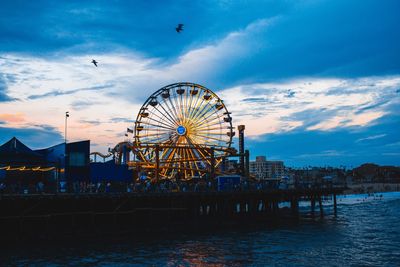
(24, 170)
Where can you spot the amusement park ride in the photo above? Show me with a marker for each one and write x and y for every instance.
(182, 131)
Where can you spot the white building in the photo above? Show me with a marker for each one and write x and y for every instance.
(262, 168)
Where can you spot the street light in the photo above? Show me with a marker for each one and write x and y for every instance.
(65, 135)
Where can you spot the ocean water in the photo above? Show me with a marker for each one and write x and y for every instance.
(366, 232)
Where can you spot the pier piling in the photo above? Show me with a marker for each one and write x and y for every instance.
(312, 206)
(321, 209)
(334, 205)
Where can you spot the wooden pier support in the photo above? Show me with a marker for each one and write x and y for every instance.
(313, 206)
(74, 214)
(294, 205)
(321, 209)
(275, 206)
(334, 205)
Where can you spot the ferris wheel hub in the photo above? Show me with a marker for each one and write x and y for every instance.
(181, 130)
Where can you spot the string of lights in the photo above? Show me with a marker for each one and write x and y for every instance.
(24, 168)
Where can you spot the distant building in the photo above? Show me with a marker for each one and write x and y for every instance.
(275, 170)
(259, 167)
(262, 168)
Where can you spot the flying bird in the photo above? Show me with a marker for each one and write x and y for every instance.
(179, 28)
(95, 62)
(290, 93)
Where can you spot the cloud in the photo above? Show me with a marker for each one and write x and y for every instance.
(103, 26)
(12, 118)
(311, 117)
(326, 153)
(92, 122)
(372, 137)
(3, 89)
(336, 147)
(281, 67)
(379, 104)
(61, 93)
(255, 99)
(218, 58)
(395, 144)
(45, 127)
(116, 120)
(347, 120)
(265, 107)
(290, 93)
(266, 41)
(82, 104)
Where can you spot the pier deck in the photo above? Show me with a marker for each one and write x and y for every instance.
(57, 215)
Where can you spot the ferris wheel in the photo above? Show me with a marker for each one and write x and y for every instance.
(183, 130)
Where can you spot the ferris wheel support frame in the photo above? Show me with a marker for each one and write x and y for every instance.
(159, 148)
(245, 172)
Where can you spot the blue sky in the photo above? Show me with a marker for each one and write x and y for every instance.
(315, 82)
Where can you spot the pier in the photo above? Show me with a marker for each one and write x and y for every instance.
(172, 172)
(58, 216)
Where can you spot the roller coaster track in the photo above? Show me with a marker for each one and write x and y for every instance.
(101, 155)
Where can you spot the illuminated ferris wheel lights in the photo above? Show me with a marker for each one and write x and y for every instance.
(182, 119)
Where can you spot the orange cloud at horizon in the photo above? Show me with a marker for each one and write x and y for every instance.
(8, 117)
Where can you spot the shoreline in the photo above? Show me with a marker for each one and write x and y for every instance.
(367, 188)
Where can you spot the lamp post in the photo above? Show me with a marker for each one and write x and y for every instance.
(65, 145)
(65, 135)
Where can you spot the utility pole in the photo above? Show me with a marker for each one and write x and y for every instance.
(65, 134)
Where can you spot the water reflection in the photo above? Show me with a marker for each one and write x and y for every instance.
(364, 233)
(197, 254)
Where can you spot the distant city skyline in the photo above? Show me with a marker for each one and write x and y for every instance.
(315, 82)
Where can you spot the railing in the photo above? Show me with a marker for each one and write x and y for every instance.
(161, 187)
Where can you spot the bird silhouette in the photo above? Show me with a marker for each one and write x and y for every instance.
(290, 93)
(95, 62)
(179, 28)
